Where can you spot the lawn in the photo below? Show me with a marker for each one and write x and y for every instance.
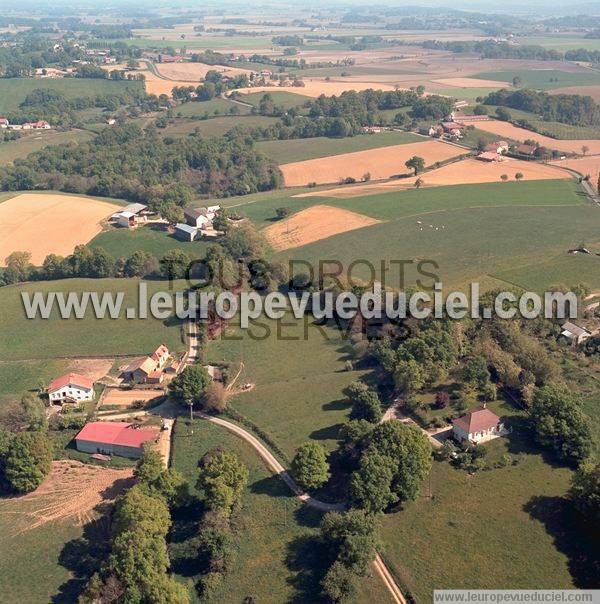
(154, 239)
(288, 151)
(299, 372)
(25, 145)
(276, 533)
(502, 528)
(216, 126)
(54, 338)
(470, 231)
(14, 90)
(540, 78)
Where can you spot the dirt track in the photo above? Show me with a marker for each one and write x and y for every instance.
(313, 224)
(49, 223)
(384, 162)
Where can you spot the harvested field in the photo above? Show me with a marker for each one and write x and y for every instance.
(593, 91)
(194, 72)
(156, 85)
(584, 165)
(507, 130)
(381, 163)
(313, 224)
(66, 220)
(472, 83)
(468, 171)
(92, 368)
(72, 491)
(316, 87)
(115, 396)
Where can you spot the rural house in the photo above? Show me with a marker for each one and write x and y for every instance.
(477, 426)
(71, 388)
(575, 334)
(524, 149)
(4, 122)
(497, 147)
(115, 438)
(148, 369)
(489, 156)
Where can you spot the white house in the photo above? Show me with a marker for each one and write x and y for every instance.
(477, 426)
(4, 123)
(186, 232)
(201, 217)
(575, 334)
(70, 388)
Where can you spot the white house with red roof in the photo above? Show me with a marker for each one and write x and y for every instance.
(115, 438)
(4, 123)
(71, 388)
(477, 426)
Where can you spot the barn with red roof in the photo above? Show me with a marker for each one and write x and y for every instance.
(115, 438)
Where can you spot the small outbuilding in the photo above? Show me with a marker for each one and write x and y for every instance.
(115, 438)
(575, 334)
(186, 232)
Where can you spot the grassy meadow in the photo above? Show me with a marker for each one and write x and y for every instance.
(287, 151)
(38, 339)
(541, 78)
(153, 239)
(216, 126)
(276, 532)
(14, 90)
(284, 99)
(216, 106)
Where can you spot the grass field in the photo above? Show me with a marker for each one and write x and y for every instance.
(507, 526)
(466, 94)
(298, 369)
(471, 231)
(217, 126)
(540, 78)
(284, 152)
(562, 42)
(157, 241)
(276, 532)
(199, 109)
(14, 90)
(17, 377)
(284, 99)
(25, 145)
(54, 338)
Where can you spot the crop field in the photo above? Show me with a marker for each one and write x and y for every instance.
(528, 539)
(586, 166)
(305, 382)
(68, 221)
(593, 91)
(287, 151)
(545, 79)
(194, 72)
(379, 163)
(14, 90)
(467, 171)
(506, 129)
(42, 530)
(472, 83)
(55, 338)
(276, 533)
(470, 231)
(156, 240)
(562, 42)
(25, 145)
(313, 224)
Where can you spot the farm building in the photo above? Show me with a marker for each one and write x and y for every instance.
(526, 149)
(186, 232)
(115, 438)
(477, 426)
(201, 217)
(131, 215)
(575, 334)
(71, 388)
(4, 123)
(147, 369)
(489, 156)
(497, 147)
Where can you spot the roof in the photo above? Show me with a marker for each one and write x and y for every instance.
(525, 148)
(134, 208)
(476, 420)
(452, 125)
(195, 212)
(574, 329)
(145, 364)
(186, 228)
(73, 379)
(489, 156)
(126, 214)
(116, 433)
(159, 352)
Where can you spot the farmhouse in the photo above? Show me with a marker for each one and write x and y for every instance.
(497, 147)
(4, 123)
(524, 149)
(71, 388)
(452, 127)
(186, 232)
(477, 426)
(148, 369)
(489, 156)
(575, 334)
(115, 438)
